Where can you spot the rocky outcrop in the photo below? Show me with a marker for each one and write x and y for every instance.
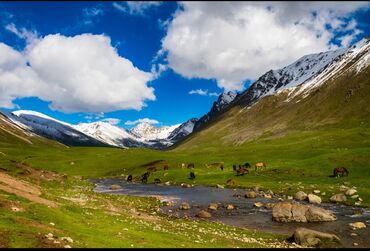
(300, 196)
(338, 198)
(203, 214)
(251, 195)
(314, 199)
(294, 212)
(308, 237)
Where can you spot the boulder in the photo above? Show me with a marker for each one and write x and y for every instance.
(203, 214)
(114, 187)
(220, 186)
(300, 196)
(258, 204)
(314, 199)
(184, 185)
(357, 225)
(251, 195)
(316, 191)
(184, 206)
(351, 192)
(269, 205)
(308, 237)
(355, 196)
(213, 206)
(267, 196)
(338, 198)
(230, 207)
(295, 212)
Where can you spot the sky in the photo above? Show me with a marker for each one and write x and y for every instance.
(156, 62)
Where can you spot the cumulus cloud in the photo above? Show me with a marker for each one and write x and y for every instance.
(83, 73)
(136, 7)
(232, 42)
(112, 121)
(145, 120)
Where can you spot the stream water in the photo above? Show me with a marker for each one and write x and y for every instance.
(245, 215)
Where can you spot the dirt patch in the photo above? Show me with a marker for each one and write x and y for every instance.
(44, 227)
(144, 216)
(23, 189)
(79, 201)
(39, 175)
(14, 206)
(4, 240)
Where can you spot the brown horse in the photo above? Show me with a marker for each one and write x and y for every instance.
(190, 165)
(242, 171)
(342, 171)
(165, 167)
(259, 165)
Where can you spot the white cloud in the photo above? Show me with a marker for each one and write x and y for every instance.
(199, 92)
(145, 120)
(232, 42)
(136, 7)
(215, 94)
(29, 36)
(112, 121)
(83, 73)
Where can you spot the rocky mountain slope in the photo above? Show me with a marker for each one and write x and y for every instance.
(317, 90)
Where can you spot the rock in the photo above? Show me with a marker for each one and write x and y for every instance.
(355, 244)
(346, 183)
(267, 196)
(230, 207)
(184, 185)
(67, 239)
(213, 206)
(52, 223)
(300, 196)
(184, 206)
(314, 199)
(357, 203)
(15, 209)
(167, 183)
(294, 212)
(317, 214)
(308, 237)
(49, 236)
(258, 204)
(269, 205)
(251, 195)
(67, 246)
(357, 225)
(354, 234)
(359, 199)
(355, 196)
(114, 187)
(343, 188)
(203, 214)
(316, 191)
(220, 186)
(323, 193)
(236, 195)
(290, 197)
(270, 192)
(338, 198)
(351, 191)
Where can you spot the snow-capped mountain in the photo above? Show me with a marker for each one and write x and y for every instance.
(51, 128)
(306, 73)
(110, 134)
(183, 130)
(149, 132)
(218, 107)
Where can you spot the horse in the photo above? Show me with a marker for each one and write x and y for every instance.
(192, 175)
(222, 167)
(259, 165)
(340, 170)
(247, 165)
(157, 181)
(182, 165)
(234, 167)
(242, 171)
(165, 167)
(191, 165)
(144, 177)
(129, 178)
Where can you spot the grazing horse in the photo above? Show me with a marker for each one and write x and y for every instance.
(157, 181)
(242, 171)
(222, 167)
(340, 170)
(191, 165)
(129, 178)
(192, 175)
(165, 167)
(182, 165)
(247, 165)
(259, 165)
(144, 177)
(234, 167)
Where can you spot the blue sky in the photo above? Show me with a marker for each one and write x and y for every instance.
(197, 45)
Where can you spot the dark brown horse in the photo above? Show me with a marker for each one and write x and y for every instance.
(191, 165)
(165, 167)
(340, 171)
(242, 171)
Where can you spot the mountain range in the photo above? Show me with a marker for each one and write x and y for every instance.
(275, 89)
